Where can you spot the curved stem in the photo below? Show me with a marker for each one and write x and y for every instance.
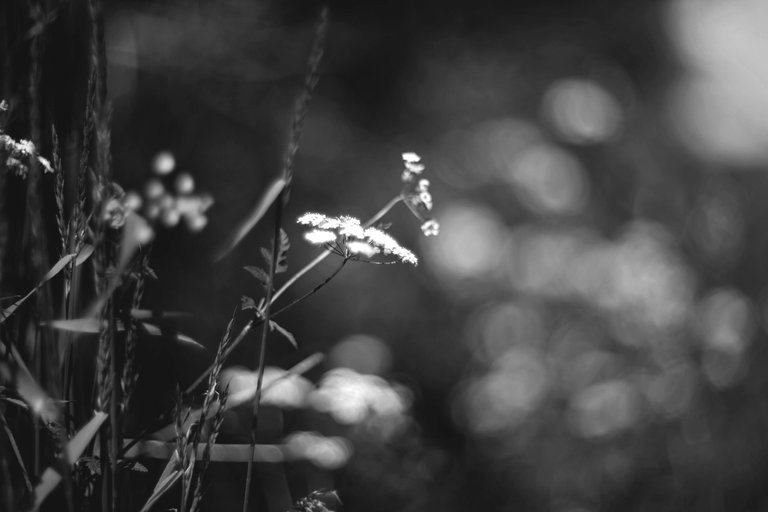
(280, 203)
(309, 266)
(384, 210)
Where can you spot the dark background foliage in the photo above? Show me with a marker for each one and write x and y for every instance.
(586, 333)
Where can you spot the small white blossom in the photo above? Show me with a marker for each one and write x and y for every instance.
(430, 228)
(311, 219)
(47, 168)
(163, 163)
(25, 147)
(18, 168)
(411, 157)
(114, 213)
(413, 167)
(358, 247)
(184, 183)
(320, 236)
(3, 106)
(133, 201)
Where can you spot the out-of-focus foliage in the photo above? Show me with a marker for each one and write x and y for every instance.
(588, 335)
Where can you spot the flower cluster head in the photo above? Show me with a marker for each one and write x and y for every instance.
(347, 236)
(171, 206)
(416, 193)
(115, 207)
(18, 155)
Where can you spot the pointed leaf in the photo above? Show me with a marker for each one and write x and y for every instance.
(286, 334)
(16, 451)
(170, 476)
(247, 224)
(27, 387)
(282, 254)
(82, 325)
(267, 255)
(183, 339)
(247, 303)
(84, 254)
(55, 269)
(258, 273)
(136, 232)
(146, 314)
(74, 449)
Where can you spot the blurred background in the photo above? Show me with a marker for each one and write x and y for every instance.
(588, 330)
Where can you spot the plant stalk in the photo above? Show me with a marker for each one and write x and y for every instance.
(279, 204)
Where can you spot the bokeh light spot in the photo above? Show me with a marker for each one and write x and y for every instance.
(549, 180)
(582, 111)
(470, 242)
(363, 353)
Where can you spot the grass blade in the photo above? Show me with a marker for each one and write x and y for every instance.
(74, 449)
(266, 200)
(182, 339)
(58, 267)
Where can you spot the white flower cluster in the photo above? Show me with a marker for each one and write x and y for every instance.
(18, 154)
(346, 233)
(424, 197)
(170, 207)
(430, 228)
(417, 194)
(413, 167)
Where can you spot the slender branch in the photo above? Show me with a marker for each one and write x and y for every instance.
(384, 210)
(309, 266)
(279, 204)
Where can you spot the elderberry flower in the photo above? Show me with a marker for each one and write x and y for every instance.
(115, 210)
(416, 195)
(19, 155)
(114, 213)
(413, 167)
(430, 228)
(320, 236)
(47, 168)
(346, 235)
(358, 247)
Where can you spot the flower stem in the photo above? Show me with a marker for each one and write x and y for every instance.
(264, 314)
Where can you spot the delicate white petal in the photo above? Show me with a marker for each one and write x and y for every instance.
(358, 247)
(320, 236)
(411, 157)
(430, 228)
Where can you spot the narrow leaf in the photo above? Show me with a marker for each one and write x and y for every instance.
(74, 449)
(135, 233)
(146, 314)
(81, 325)
(247, 303)
(16, 452)
(84, 254)
(183, 339)
(27, 387)
(282, 254)
(258, 273)
(267, 255)
(170, 476)
(55, 269)
(286, 334)
(247, 224)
